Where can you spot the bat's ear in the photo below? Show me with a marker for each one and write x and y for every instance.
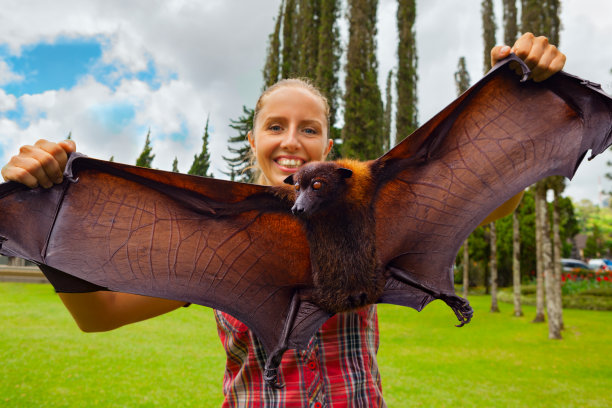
(289, 180)
(344, 172)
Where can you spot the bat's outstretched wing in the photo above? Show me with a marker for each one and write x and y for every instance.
(232, 246)
(496, 139)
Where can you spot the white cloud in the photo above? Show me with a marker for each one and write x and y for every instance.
(7, 102)
(6, 75)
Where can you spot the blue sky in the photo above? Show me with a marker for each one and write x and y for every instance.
(51, 66)
(60, 66)
(108, 73)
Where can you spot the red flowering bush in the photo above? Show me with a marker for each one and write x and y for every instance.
(578, 281)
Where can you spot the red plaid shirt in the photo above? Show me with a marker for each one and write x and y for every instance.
(337, 369)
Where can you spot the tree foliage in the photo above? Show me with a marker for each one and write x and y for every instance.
(363, 113)
(595, 246)
(406, 114)
(201, 162)
(328, 65)
(146, 158)
(240, 164)
(510, 22)
(462, 77)
(289, 49)
(271, 71)
(488, 31)
(308, 36)
(542, 17)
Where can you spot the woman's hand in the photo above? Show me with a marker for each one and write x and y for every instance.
(42, 164)
(542, 58)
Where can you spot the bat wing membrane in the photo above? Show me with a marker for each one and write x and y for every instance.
(498, 138)
(231, 246)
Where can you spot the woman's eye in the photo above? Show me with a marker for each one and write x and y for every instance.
(317, 185)
(310, 131)
(275, 128)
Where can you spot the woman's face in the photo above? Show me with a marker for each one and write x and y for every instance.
(290, 130)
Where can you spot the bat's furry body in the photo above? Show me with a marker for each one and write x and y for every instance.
(341, 230)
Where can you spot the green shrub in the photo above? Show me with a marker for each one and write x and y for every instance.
(597, 292)
(527, 290)
(592, 299)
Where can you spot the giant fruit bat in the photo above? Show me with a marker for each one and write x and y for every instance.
(342, 235)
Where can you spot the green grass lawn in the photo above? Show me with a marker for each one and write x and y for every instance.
(176, 360)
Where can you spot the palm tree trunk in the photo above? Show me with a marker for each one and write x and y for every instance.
(554, 330)
(516, 265)
(466, 268)
(539, 317)
(494, 307)
(557, 262)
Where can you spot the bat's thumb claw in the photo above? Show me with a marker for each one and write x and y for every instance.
(271, 378)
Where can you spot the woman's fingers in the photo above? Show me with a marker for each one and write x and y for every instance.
(40, 164)
(542, 58)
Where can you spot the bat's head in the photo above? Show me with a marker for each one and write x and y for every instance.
(319, 186)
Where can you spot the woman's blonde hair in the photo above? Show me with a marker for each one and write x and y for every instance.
(304, 83)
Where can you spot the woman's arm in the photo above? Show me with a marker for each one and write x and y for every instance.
(506, 208)
(43, 164)
(103, 311)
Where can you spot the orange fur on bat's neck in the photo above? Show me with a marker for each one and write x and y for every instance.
(360, 186)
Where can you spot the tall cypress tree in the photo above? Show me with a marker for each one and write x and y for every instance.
(363, 105)
(329, 55)
(462, 77)
(308, 34)
(290, 49)
(553, 21)
(488, 31)
(406, 115)
(175, 165)
(271, 71)
(542, 18)
(146, 158)
(510, 22)
(201, 162)
(238, 145)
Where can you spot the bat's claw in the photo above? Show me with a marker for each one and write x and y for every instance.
(271, 369)
(271, 378)
(461, 307)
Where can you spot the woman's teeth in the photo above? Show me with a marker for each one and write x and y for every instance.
(290, 163)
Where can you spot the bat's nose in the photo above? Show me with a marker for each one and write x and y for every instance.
(297, 209)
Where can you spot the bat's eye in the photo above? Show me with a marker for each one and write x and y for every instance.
(317, 185)
(296, 186)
